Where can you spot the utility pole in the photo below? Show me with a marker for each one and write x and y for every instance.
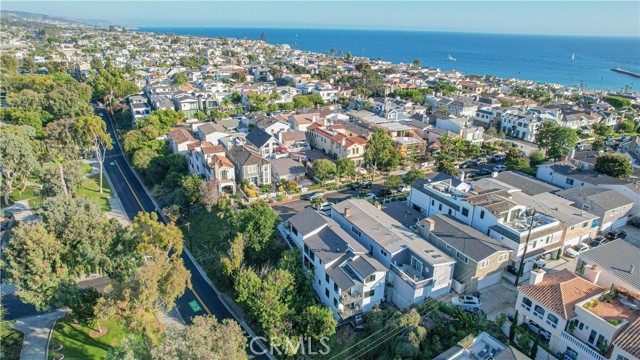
(526, 247)
(189, 235)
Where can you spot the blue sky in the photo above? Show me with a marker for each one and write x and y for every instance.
(619, 18)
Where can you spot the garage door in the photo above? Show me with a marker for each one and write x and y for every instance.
(489, 280)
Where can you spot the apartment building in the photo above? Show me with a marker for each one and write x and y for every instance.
(586, 322)
(346, 278)
(417, 269)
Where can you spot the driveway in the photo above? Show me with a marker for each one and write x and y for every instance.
(498, 298)
(37, 332)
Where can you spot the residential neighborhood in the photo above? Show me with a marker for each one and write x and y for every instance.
(168, 195)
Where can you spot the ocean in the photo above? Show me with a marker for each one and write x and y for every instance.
(568, 60)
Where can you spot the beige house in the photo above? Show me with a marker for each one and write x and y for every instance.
(479, 258)
(336, 144)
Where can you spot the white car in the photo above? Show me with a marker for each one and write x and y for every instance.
(535, 328)
(576, 250)
(466, 301)
(540, 263)
(404, 188)
(500, 168)
(369, 196)
(325, 208)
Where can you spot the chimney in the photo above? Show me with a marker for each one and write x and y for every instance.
(494, 174)
(378, 205)
(592, 273)
(537, 276)
(347, 212)
(632, 269)
(461, 175)
(572, 153)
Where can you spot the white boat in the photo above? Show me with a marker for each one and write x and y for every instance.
(451, 58)
(573, 57)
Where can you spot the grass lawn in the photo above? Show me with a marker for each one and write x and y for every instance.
(11, 341)
(90, 188)
(79, 345)
(27, 194)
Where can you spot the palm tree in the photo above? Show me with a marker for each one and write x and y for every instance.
(458, 145)
(446, 142)
(416, 63)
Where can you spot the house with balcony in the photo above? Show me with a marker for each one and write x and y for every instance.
(266, 144)
(611, 207)
(187, 103)
(462, 127)
(520, 125)
(480, 259)
(294, 140)
(337, 145)
(249, 165)
(209, 161)
(585, 321)
(345, 277)
(417, 269)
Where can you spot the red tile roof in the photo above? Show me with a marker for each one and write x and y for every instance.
(560, 291)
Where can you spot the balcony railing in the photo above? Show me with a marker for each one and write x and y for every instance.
(591, 353)
(415, 281)
(346, 298)
(347, 313)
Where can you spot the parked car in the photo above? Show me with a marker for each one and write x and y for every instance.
(599, 240)
(404, 188)
(325, 208)
(483, 172)
(355, 185)
(498, 158)
(575, 250)
(615, 234)
(471, 175)
(499, 168)
(366, 184)
(466, 301)
(387, 192)
(370, 196)
(482, 161)
(635, 221)
(311, 195)
(468, 163)
(537, 329)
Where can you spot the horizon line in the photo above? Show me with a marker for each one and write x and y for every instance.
(137, 27)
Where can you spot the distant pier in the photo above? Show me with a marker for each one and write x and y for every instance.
(626, 72)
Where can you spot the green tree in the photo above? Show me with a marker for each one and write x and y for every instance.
(263, 37)
(94, 135)
(512, 328)
(8, 63)
(204, 339)
(379, 152)
(602, 129)
(156, 236)
(130, 348)
(324, 169)
(417, 63)
(627, 126)
(179, 79)
(258, 224)
(316, 321)
(61, 145)
(556, 140)
(448, 168)
(232, 262)
(534, 348)
(17, 160)
(413, 175)
(614, 164)
(239, 77)
(317, 201)
(345, 167)
(190, 189)
(618, 102)
(536, 158)
(393, 181)
(597, 145)
(82, 306)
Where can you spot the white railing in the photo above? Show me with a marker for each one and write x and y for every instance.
(586, 349)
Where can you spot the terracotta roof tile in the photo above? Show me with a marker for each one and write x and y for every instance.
(560, 291)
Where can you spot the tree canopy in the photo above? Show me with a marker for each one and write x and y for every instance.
(614, 164)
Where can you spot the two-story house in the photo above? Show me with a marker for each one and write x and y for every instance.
(417, 269)
(187, 103)
(610, 206)
(179, 140)
(346, 278)
(266, 144)
(336, 144)
(209, 161)
(249, 165)
(480, 259)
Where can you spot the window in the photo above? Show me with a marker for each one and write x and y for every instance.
(326, 292)
(326, 278)
(306, 249)
(448, 247)
(335, 288)
(384, 253)
(439, 207)
(547, 240)
(569, 181)
(416, 264)
(585, 224)
(552, 320)
(370, 278)
(335, 302)
(433, 203)
(356, 231)
(462, 258)
(484, 264)
(370, 293)
(465, 212)
(620, 357)
(252, 168)
(482, 214)
(449, 211)
(538, 311)
(503, 257)
(526, 303)
(295, 232)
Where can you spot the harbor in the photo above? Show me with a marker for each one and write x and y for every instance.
(626, 72)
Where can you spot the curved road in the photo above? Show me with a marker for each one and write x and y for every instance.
(202, 299)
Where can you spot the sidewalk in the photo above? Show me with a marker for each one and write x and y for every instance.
(37, 332)
(21, 211)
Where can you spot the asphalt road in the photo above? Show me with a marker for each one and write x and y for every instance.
(288, 209)
(202, 299)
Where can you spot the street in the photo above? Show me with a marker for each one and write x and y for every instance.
(202, 299)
